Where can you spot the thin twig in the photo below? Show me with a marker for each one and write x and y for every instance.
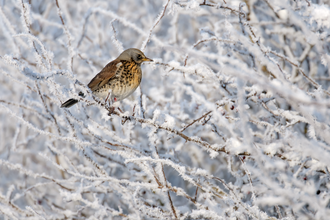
(204, 144)
(59, 12)
(84, 27)
(196, 120)
(168, 192)
(141, 103)
(249, 177)
(301, 71)
(3, 200)
(47, 110)
(241, 5)
(172, 206)
(196, 192)
(272, 8)
(118, 44)
(236, 197)
(214, 38)
(278, 212)
(309, 4)
(28, 26)
(144, 45)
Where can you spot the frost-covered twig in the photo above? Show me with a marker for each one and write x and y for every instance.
(243, 135)
(174, 131)
(83, 35)
(236, 197)
(46, 108)
(168, 192)
(207, 40)
(196, 120)
(160, 16)
(117, 43)
(68, 35)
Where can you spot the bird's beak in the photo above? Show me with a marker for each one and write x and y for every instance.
(147, 59)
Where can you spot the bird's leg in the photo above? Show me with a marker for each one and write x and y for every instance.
(133, 110)
(111, 110)
(125, 118)
(108, 103)
(107, 98)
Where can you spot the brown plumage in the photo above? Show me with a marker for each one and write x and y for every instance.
(121, 76)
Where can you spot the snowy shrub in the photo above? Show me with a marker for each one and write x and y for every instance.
(231, 120)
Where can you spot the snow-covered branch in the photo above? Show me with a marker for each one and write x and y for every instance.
(231, 120)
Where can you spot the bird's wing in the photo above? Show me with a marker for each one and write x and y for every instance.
(103, 77)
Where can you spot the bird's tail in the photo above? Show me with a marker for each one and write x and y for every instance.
(71, 102)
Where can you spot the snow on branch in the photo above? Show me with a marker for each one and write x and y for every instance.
(231, 119)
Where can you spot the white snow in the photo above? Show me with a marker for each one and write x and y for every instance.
(226, 124)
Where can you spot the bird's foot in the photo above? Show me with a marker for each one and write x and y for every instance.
(125, 118)
(110, 109)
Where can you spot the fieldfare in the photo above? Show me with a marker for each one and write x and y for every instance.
(118, 79)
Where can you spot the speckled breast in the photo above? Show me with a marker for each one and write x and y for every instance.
(127, 79)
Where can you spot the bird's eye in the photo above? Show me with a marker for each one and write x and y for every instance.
(139, 57)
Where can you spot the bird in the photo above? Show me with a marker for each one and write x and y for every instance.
(118, 79)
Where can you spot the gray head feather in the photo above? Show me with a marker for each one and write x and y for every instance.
(133, 54)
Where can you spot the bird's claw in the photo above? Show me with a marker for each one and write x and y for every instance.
(124, 119)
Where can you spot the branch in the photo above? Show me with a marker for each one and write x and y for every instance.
(204, 144)
(208, 40)
(70, 49)
(144, 44)
(196, 120)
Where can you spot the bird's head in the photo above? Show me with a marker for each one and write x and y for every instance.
(135, 55)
